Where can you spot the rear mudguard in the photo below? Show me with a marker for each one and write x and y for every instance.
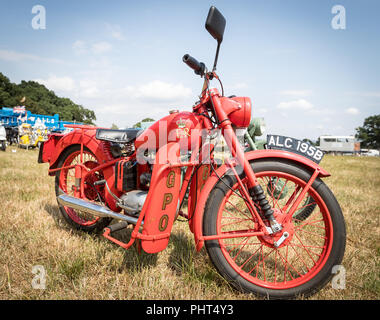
(58, 143)
(251, 156)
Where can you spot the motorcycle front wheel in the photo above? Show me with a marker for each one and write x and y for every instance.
(303, 263)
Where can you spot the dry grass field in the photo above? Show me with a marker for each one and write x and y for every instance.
(82, 266)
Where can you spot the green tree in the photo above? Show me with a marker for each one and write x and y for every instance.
(369, 133)
(138, 124)
(40, 100)
(308, 141)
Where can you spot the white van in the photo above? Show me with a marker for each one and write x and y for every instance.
(371, 153)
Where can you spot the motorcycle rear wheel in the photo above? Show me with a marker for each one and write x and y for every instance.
(65, 180)
(302, 264)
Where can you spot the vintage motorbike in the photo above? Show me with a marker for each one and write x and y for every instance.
(234, 209)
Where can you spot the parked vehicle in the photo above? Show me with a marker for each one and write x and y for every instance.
(339, 144)
(255, 129)
(3, 138)
(31, 137)
(12, 135)
(234, 209)
(371, 153)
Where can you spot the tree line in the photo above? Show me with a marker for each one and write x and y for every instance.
(40, 100)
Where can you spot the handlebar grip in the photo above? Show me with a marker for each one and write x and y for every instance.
(198, 67)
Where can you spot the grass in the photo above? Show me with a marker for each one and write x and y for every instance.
(83, 266)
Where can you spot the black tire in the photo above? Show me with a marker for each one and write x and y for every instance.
(317, 279)
(303, 214)
(101, 223)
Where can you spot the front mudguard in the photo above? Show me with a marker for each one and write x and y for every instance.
(161, 205)
(222, 170)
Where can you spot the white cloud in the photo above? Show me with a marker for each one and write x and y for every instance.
(78, 88)
(239, 85)
(298, 93)
(326, 119)
(367, 94)
(373, 94)
(55, 83)
(115, 32)
(352, 111)
(159, 91)
(300, 104)
(79, 47)
(323, 112)
(88, 89)
(261, 110)
(101, 47)
(9, 55)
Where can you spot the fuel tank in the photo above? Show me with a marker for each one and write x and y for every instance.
(182, 127)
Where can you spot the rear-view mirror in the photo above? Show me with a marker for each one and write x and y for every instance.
(215, 24)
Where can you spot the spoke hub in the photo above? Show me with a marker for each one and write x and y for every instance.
(281, 238)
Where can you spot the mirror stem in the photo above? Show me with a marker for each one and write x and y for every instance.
(216, 57)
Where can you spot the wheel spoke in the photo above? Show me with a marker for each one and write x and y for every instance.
(241, 267)
(312, 233)
(235, 222)
(286, 264)
(241, 249)
(292, 199)
(308, 251)
(279, 196)
(239, 210)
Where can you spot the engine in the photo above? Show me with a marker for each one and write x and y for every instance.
(133, 180)
(122, 150)
(133, 201)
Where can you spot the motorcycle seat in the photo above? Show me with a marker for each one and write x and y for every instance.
(117, 136)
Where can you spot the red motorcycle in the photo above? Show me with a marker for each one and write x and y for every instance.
(242, 211)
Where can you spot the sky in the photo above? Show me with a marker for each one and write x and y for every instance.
(309, 70)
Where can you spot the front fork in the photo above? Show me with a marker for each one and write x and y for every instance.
(255, 191)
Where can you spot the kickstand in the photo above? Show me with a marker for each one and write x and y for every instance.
(138, 246)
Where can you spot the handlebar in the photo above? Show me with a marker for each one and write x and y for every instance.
(198, 67)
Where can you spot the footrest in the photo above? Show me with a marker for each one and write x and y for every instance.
(117, 226)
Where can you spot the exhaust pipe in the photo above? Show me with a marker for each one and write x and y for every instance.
(93, 208)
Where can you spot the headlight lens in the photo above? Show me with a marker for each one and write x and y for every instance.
(238, 110)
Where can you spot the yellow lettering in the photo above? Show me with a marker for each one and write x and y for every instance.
(168, 197)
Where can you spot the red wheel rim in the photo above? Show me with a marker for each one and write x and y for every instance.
(66, 181)
(294, 263)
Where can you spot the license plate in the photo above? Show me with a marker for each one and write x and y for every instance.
(294, 145)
